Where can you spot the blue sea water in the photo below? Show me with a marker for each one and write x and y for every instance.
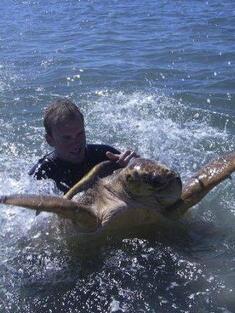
(156, 76)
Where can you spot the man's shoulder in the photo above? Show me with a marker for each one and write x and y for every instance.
(44, 166)
(100, 148)
(96, 153)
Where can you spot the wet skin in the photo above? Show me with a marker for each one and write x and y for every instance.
(69, 140)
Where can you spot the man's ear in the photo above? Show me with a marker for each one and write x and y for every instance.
(49, 140)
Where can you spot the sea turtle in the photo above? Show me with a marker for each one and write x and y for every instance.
(140, 194)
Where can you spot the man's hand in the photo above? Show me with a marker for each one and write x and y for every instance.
(123, 158)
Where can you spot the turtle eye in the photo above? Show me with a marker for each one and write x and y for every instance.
(179, 181)
(128, 177)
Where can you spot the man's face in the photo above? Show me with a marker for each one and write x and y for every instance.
(69, 140)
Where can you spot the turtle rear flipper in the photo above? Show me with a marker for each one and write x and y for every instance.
(86, 219)
(201, 183)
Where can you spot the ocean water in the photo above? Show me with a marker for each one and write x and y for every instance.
(155, 76)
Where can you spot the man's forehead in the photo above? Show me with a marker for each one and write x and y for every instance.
(72, 125)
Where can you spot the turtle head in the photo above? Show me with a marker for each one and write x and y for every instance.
(148, 179)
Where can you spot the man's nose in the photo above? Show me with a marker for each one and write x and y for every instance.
(75, 139)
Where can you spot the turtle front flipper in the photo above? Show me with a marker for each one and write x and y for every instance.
(201, 183)
(100, 170)
(86, 219)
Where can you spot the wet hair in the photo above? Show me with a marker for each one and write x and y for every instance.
(60, 112)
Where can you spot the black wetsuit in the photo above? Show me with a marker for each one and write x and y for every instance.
(66, 174)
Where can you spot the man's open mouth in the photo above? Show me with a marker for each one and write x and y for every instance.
(76, 152)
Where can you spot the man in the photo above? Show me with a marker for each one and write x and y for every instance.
(72, 158)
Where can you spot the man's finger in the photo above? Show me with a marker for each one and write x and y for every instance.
(126, 157)
(130, 156)
(112, 156)
(123, 158)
